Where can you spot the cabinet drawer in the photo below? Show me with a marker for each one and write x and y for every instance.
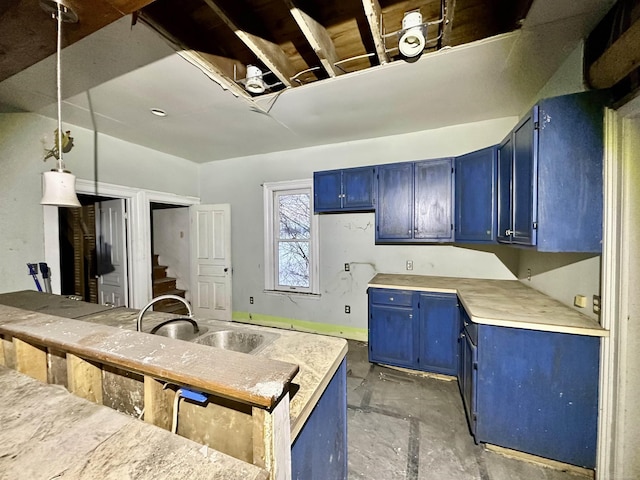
(401, 298)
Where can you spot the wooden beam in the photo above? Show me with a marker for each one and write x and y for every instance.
(449, 11)
(318, 38)
(618, 61)
(31, 360)
(272, 440)
(84, 379)
(373, 12)
(267, 52)
(158, 403)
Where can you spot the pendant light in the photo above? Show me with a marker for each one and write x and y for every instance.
(412, 40)
(59, 185)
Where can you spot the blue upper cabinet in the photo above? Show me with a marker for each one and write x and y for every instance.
(346, 190)
(415, 202)
(475, 196)
(550, 176)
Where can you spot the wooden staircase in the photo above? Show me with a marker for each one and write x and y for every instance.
(163, 285)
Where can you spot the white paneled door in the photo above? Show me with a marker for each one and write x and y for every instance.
(211, 261)
(111, 246)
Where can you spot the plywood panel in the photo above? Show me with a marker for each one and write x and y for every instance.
(84, 378)
(31, 360)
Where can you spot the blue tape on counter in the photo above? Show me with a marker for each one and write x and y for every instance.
(193, 395)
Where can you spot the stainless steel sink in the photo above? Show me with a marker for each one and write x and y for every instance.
(179, 330)
(238, 340)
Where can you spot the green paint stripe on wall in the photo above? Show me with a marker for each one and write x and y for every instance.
(351, 333)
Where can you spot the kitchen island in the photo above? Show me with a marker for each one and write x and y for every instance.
(526, 364)
(312, 374)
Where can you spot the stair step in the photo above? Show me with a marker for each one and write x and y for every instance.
(161, 304)
(163, 285)
(176, 308)
(159, 272)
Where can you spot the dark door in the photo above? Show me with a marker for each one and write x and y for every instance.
(394, 211)
(475, 205)
(525, 180)
(505, 164)
(357, 188)
(433, 215)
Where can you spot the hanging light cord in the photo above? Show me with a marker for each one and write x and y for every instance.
(59, 89)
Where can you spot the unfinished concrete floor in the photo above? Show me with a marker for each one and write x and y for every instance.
(404, 426)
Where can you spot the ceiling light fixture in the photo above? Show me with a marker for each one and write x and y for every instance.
(59, 185)
(254, 82)
(158, 112)
(412, 39)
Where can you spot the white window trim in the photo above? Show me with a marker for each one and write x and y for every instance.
(269, 245)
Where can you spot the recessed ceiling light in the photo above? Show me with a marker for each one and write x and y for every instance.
(158, 112)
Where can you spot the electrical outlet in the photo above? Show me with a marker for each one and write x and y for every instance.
(409, 264)
(529, 274)
(596, 304)
(347, 309)
(347, 267)
(251, 300)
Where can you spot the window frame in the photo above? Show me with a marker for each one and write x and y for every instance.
(270, 189)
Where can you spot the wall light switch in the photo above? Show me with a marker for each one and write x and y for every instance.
(580, 301)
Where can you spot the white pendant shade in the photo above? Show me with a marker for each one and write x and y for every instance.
(59, 189)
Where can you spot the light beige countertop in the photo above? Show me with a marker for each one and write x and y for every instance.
(504, 303)
(49, 433)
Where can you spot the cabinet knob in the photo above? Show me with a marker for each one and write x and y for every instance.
(391, 299)
(411, 315)
(508, 232)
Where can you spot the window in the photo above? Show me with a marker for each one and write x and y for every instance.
(291, 247)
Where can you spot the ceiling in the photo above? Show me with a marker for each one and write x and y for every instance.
(180, 55)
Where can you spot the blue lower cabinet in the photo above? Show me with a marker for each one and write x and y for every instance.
(537, 392)
(438, 325)
(413, 330)
(320, 450)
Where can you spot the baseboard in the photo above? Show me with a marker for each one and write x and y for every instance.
(351, 333)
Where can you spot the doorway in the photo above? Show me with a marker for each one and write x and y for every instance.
(93, 250)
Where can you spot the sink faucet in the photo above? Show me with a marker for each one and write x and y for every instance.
(157, 299)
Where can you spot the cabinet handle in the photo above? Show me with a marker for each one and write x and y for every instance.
(462, 335)
(391, 299)
(410, 315)
(508, 232)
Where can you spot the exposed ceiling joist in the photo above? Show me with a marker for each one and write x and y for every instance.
(218, 69)
(618, 60)
(267, 52)
(449, 11)
(373, 13)
(318, 38)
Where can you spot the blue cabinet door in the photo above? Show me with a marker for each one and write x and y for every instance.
(357, 188)
(505, 164)
(433, 202)
(327, 191)
(475, 196)
(393, 332)
(537, 392)
(394, 211)
(525, 180)
(467, 378)
(438, 327)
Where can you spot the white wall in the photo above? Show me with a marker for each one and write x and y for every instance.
(171, 242)
(344, 238)
(21, 215)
